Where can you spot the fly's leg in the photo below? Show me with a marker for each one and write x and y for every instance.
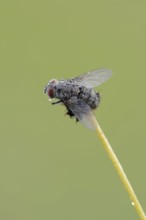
(54, 103)
(71, 114)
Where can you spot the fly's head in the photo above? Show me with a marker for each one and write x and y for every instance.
(50, 88)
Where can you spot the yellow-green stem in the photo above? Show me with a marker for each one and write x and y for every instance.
(120, 170)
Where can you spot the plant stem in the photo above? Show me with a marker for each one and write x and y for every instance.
(120, 170)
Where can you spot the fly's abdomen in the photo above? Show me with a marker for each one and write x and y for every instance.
(91, 97)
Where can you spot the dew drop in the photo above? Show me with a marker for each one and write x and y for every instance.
(132, 203)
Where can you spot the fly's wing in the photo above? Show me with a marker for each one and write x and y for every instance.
(93, 78)
(82, 112)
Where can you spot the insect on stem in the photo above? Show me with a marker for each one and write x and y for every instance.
(80, 99)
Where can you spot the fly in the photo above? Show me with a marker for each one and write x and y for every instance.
(77, 94)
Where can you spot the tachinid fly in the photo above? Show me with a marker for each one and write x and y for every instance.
(77, 94)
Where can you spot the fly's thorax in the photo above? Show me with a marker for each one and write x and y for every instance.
(66, 89)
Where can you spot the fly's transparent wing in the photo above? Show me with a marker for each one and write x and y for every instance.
(82, 112)
(93, 78)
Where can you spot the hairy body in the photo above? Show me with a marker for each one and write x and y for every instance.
(65, 90)
(77, 94)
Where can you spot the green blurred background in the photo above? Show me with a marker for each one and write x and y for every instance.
(51, 167)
